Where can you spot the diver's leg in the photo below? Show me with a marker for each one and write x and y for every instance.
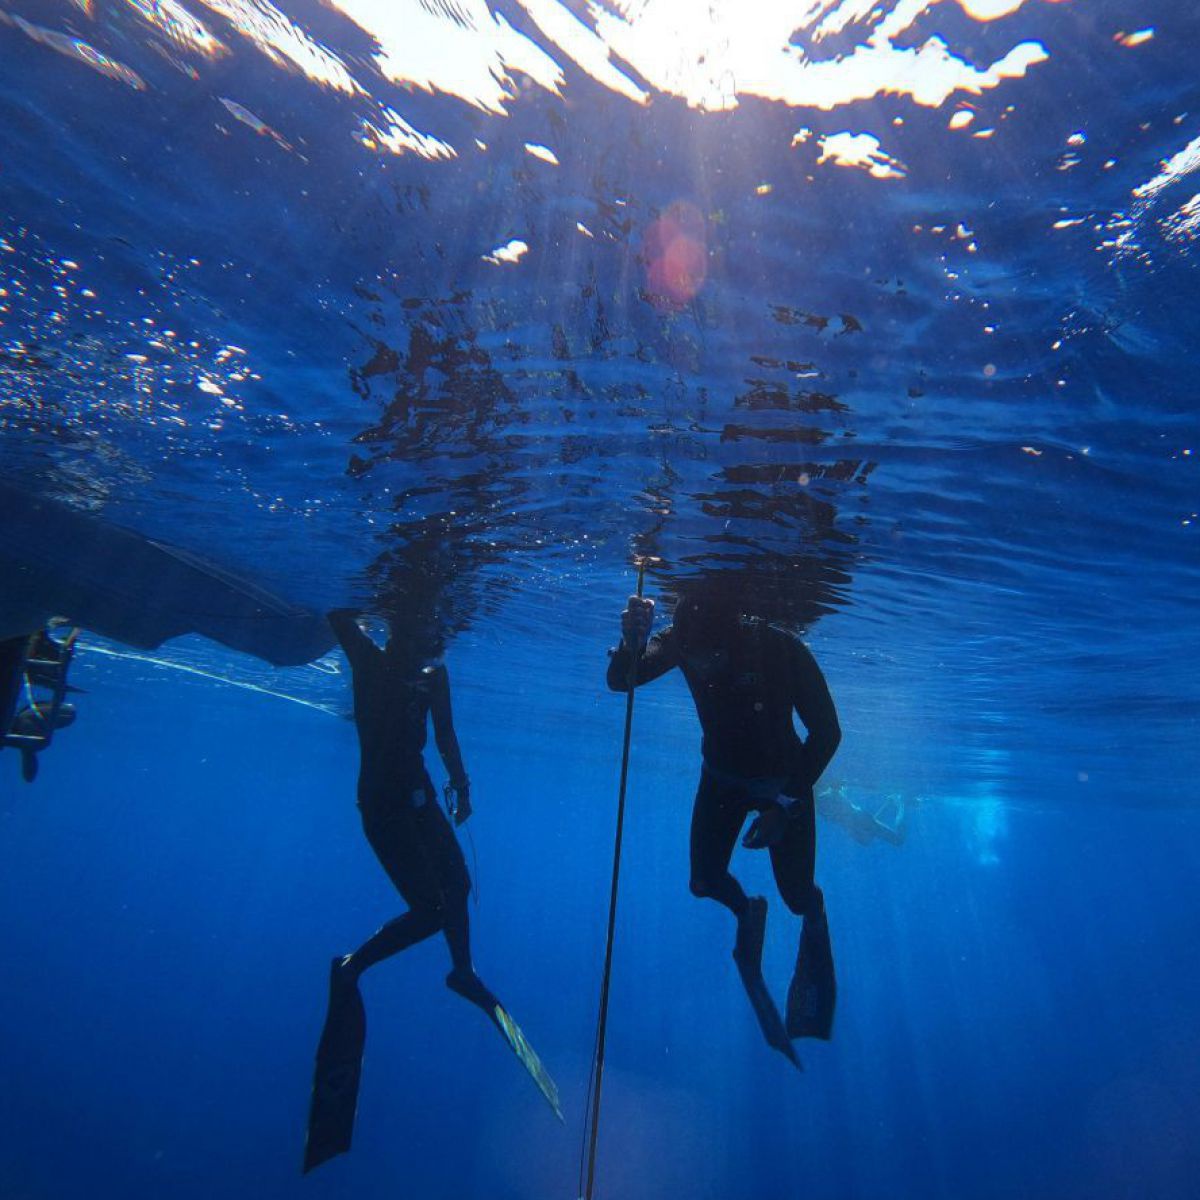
(456, 929)
(449, 869)
(395, 838)
(454, 883)
(719, 813)
(812, 994)
(462, 977)
(717, 818)
(794, 857)
(406, 930)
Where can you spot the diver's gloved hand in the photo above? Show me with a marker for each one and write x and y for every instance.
(458, 801)
(767, 828)
(636, 621)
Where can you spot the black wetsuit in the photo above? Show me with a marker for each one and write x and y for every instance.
(401, 817)
(12, 671)
(751, 751)
(36, 662)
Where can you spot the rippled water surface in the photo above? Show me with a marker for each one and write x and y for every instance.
(442, 306)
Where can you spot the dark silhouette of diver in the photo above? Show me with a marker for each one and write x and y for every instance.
(396, 692)
(747, 677)
(34, 667)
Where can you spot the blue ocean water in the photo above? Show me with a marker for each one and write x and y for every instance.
(887, 309)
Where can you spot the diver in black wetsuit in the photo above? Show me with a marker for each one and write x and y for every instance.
(747, 677)
(395, 694)
(37, 665)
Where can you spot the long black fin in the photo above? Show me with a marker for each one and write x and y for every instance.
(337, 1072)
(769, 1020)
(812, 997)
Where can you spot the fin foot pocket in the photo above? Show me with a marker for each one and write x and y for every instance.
(751, 931)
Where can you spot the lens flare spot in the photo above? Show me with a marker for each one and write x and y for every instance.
(676, 255)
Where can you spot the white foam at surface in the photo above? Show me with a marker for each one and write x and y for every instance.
(399, 137)
(1173, 169)
(284, 42)
(587, 50)
(739, 48)
(861, 150)
(473, 57)
(510, 252)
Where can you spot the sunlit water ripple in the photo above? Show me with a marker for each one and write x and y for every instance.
(493, 299)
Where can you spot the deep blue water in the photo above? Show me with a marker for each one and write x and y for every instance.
(941, 416)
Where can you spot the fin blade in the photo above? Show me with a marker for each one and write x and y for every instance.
(528, 1058)
(812, 996)
(769, 1021)
(336, 1077)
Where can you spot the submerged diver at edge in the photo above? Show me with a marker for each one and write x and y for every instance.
(35, 668)
(396, 691)
(746, 678)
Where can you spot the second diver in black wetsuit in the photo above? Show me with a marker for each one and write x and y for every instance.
(747, 677)
(396, 692)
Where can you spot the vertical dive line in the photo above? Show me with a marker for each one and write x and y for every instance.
(635, 655)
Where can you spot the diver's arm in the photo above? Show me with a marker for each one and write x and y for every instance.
(814, 704)
(659, 657)
(443, 729)
(356, 644)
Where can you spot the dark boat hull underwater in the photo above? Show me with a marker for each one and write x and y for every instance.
(57, 562)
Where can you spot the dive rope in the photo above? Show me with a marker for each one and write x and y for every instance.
(597, 1080)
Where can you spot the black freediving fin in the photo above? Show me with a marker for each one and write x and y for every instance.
(769, 1020)
(747, 954)
(337, 1072)
(478, 994)
(812, 996)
